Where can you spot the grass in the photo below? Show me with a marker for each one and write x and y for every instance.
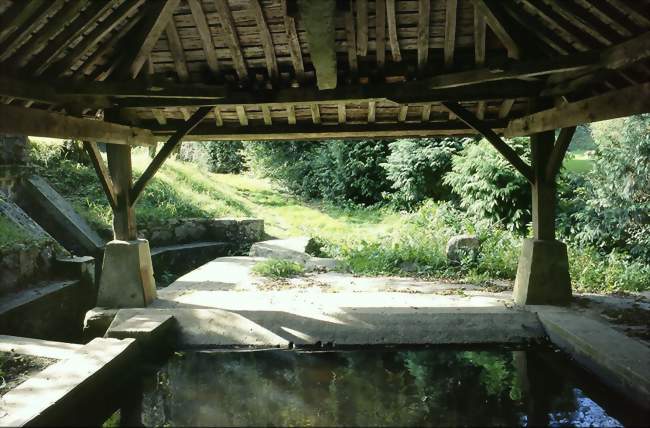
(275, 268)
(579, 162)
(12, 235)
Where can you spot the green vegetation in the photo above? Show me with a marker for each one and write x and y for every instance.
(276, 268)
(11, 234)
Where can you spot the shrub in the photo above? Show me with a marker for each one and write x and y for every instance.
(416, 168)
(276, 268)
(226, 157)
(488, 187)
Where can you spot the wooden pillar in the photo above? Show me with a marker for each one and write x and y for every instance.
(543, 188)
(120, 169)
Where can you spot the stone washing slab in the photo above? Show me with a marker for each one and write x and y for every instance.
(621, 362)
(58, 394)
(153, 331)
(293, 249)
(38, 347)
(351, 327)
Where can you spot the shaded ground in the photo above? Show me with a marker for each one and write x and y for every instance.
(15, 369)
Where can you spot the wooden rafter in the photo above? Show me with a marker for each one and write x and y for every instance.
(380, 32)
(265, 38)
(506, 151)
(291, 114)
(266, 114)
(479, 51)
(372, 109)
(204, 33)
(424, 11)
(102, 172)
(597, 9)
(230, 36)
(450, 32)
(618, 103)
(315, 113)
(549, 38)
(41, 123)
(593, 27)
(351, 39)
(102, 29)
(165, 151)
(391, 19)
(155, 23)
(634, 10)
(218, 120)
(342, 115)
(362, 27)
(495, 21)
(17, 15)
(177, 51)
(556, 22)
(241, 115)
(293, 44)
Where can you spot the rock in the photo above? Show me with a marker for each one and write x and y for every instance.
(409, 267)
(287, 249)
(161, 237)
(97, 321)
(460, 246)
(189, 232)
(251, 230)
(322, 264)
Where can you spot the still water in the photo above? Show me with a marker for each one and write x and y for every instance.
(425, 387)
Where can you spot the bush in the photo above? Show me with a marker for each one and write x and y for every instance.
(275, 268)
(616, 193)
(226, 157)
(416, 168)
(488, 187)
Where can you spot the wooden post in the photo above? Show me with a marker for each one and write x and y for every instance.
(119, 166)
(544, 188)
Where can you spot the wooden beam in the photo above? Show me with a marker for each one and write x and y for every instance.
(231, 38)
(557, 24)
(241, 115)
(310, 131)
(551, 41)
(403, 111)
(294, 46)
(17, 15)
(583, 21)
(165, 151)
(135, 89)
(342, 116)
(121, 171)
(480, 27)
(265, 38)
(634, 10)
(426, 112)
(41, 123)
(450, 32)
(391, 18)
(424, 17)
(480, 126)
(42, 92)
(291, 114)
(218, 120)
(206, 36)
(155, 22)
(315, 113)
(102, 172)
(122, 12)
(597, 9)
(318, 19)
(362, 27)
(619, 103)
(559, 151)
(351, 40)
(372, 109)
(177, 51)
(266, 114)
(495, 21)
(380, 32)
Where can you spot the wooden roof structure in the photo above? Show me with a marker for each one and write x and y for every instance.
(135, 71)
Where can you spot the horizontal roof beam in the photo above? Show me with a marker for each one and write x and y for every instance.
(41, 123)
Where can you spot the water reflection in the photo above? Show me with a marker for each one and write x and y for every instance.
(380, 388)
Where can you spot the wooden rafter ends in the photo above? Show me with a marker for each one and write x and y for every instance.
(101, 170)
(506, 151)
(41, 123)
(559, 151)
(165, 151)
(620, 103)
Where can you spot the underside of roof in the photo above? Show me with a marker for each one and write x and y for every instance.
(271, 69)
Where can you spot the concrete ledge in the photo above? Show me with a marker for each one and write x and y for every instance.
(38, 347)
(153, 331)
(69, 391)
(362, 326)
(619, 361)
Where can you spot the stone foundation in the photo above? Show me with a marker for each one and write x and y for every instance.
(24, 265)
(191, 230)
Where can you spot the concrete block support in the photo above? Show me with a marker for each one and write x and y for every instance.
(543, 274)
(127, 275)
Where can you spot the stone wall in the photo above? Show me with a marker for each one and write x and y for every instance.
(13, 163)
(25, 264)
(190, 230)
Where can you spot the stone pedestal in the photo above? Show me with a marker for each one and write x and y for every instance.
(127, 275)
(543, 274)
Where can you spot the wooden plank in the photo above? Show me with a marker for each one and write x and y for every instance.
(41, 123)
(318, 20)
(266, 114)
(506, 151)
(177, 51)
(291, 114)
(372, 111)
(450, 32)
(155, 23)
(166, 150)
(315, 113)
(102, 171)
(342, 116)
(241, 115)
(294, 47)
(231, 38)
(206, 36)
(362, 27)
(392, 31)
(350, 37)
(614, 104)
(380, 32)
(495, 21)
(424, 12)
(95, 36)
(559, 151)
(56, 46)
(265, 38)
